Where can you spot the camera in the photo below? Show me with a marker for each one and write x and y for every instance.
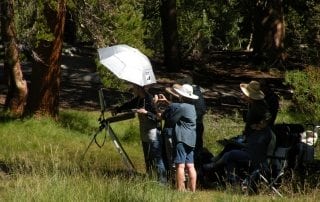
(161, 106)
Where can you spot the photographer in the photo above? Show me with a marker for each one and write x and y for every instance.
(150, 129)
(181, 117)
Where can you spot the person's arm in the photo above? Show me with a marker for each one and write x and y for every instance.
(150, 115)
(132, 104)
(175, 114)
(171, 114)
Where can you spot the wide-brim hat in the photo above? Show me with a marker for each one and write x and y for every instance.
(171, 90)
(252, 90)
(186, 90)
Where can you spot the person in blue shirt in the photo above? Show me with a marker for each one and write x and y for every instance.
(201, 110)
(181, 117)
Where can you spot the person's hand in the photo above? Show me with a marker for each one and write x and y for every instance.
(155, 99)
(142, 111)
(159, 115)
(162, 98)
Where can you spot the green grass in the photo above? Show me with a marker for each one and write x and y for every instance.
(42, 160)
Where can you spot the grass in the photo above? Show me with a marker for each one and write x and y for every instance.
(42, 160)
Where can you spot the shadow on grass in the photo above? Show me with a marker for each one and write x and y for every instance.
(76, 122)
(4, 167)
(6, 118)
(123, 173)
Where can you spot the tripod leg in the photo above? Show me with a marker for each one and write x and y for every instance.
(93, 139)
(120, 149)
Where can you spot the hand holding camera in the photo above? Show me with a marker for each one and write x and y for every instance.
(160, 102)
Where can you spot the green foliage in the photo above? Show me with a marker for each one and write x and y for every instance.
(302, 30)
(112, 22)
(130, 27)
(203, 25)
(31, 25)
(306, 96)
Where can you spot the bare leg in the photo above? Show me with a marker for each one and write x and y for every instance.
(192, 177)
(180, 177)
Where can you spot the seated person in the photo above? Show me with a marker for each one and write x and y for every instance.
(272, 100)
(257, 134)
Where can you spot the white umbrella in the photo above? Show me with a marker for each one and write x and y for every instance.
(127, 63)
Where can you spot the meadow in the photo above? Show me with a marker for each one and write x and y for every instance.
(43, 160)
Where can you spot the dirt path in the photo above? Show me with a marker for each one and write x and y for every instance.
(220, 80)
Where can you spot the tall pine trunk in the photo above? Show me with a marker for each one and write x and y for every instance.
(170, 35)
(45, 80)
(17, 86)
(269, 30)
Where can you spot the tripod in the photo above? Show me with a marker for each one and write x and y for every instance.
(105, 125)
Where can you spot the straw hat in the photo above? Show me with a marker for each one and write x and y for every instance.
(186, 90)
(252, 90)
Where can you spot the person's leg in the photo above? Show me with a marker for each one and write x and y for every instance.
(199, 144)
(180, 177)
(191, 168)
(179, 160)
(235, 159)
(157, 160)
(199, 139)
(168, 145)
(192, 177)
(146, 151)
(170, 166)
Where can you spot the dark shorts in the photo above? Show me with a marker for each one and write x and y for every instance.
(183, 154)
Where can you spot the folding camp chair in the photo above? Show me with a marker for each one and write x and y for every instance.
(307, 144)
(278, 162)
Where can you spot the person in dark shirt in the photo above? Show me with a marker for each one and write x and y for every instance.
(150, 130)
(272, 99)
(257, 134)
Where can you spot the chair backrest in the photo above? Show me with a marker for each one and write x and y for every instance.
(287, 134)
(287, 140)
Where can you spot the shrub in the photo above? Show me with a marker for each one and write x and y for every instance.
(306, 96)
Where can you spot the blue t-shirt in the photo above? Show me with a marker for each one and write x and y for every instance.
(182, 118)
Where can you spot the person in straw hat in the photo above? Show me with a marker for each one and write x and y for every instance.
(181, 117)
(258, 115)
(271, 98)
(257, 135)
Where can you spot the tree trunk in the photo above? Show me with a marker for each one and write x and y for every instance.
(269, 30)
(17, 86)
(170, 35)
(45, 81)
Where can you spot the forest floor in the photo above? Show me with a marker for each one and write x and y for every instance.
(219, 75)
